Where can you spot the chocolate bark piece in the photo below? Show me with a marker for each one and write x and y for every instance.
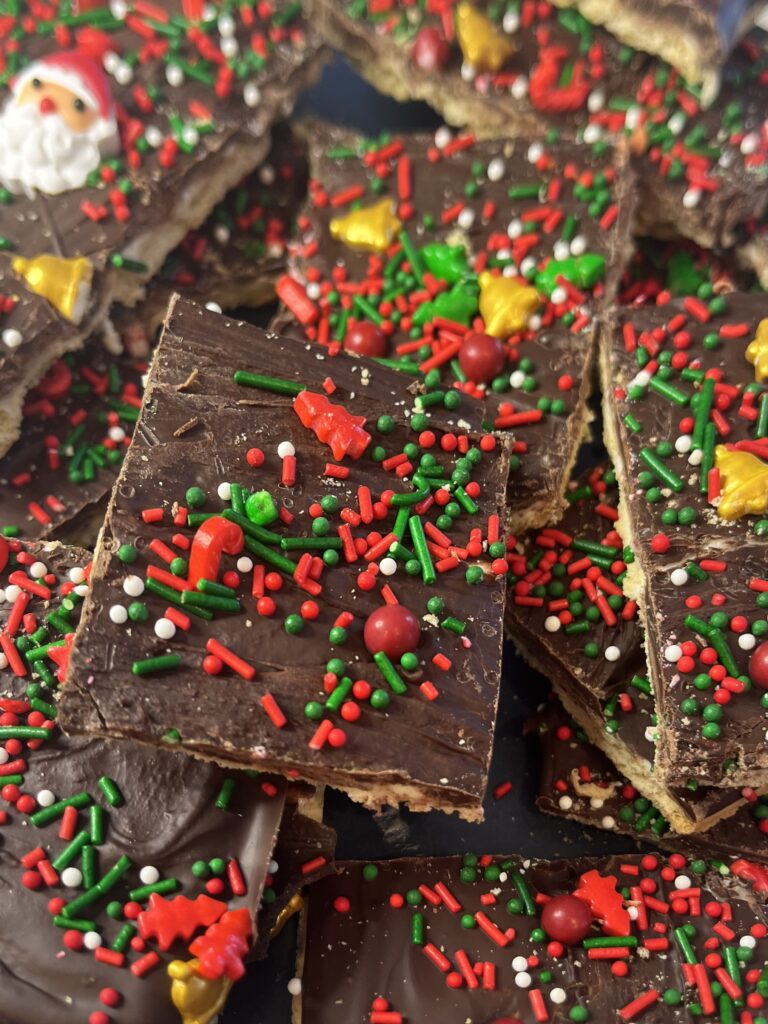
(695, 36)
(303, 854)
(77, 425)
(79, 813)
(411, 712)
(579, 782)
(554, 217)
(656, 362)
(660, 271)
(506, 71)
(685, 418)
(402, 938)
(236, 256)
(171, 113)
(569, 618)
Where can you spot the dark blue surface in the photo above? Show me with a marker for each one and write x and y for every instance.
(512, 824)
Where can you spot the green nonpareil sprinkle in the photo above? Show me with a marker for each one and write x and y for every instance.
(390, 673)
(524, 892)
(79, 924)
(23, 732)
(163, 887)
(708, 457)
(265, 383)
(111, 791)
(48, 814)
(174, 597)
(611, 942)
(259, 533)
(416, 528)
(96, 824)
(339, 694)
(210, 601)
(668, 391)
(417, 929)
(661, 471)
(71, 851)
(123, 938)
(225, 794)
(454, 625)
(685, 946)
(162, 663)
(640, 684)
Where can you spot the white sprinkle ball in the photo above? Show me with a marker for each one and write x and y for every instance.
(118, 614)
(133, 586)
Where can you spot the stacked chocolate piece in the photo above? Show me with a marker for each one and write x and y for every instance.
(290, 555)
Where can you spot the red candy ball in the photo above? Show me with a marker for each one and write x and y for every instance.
(365, 339)
(758, 666)
(431, 51)
(392, 629)
(482, 357)
(110, 997)
(566, 919)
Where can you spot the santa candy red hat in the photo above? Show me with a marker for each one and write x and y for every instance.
(75, 71)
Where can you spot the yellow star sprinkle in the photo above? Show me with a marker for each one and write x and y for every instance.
(505, 304)
(757, 351)
(483, 44)
(65, 283)
(372, 228)
(743, 483)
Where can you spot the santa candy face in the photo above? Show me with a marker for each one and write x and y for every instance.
(51, 98)
(57, 126)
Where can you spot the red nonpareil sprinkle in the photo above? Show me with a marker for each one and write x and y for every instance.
(438, 959)
(109, 956)
(273, 711)
(639, 1005)
(152, 515)
(313, 865)
(230, 659)
(491, 930)
(320, 736)
(145, 964)
(235, 878)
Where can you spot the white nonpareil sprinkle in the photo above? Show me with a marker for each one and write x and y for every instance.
(251, 95)
(12, 337)
(71, 877)
(133, 586)
(612, 653)
(224, 491)
(673, 653)
(46, 797)
(165, 629)
(149, 875)
(678, 577)
(496, 169)
(92, 940)
(552, 624)
(285, 449)
(118, 614)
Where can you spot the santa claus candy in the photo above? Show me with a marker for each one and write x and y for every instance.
(57, 126)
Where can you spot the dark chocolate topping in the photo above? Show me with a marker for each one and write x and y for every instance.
(196, 428)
